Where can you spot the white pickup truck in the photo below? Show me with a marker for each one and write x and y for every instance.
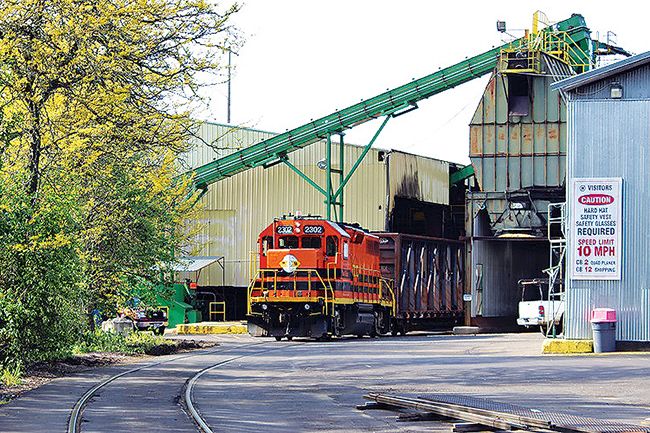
(536, 309)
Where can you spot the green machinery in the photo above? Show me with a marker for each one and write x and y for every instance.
(568, 40)
(181, 300)
(178, 311)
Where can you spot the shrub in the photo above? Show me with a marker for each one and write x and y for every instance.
(11, 376)
(133, 344)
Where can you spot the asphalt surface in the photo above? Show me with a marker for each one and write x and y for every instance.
(307, 386)
(146, 400)
(315, 387)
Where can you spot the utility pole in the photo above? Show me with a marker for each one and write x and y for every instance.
(230, 53)
(229, 77)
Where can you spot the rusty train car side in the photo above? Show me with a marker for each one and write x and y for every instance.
(428, 275)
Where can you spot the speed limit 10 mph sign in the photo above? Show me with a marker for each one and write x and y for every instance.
(595, 229)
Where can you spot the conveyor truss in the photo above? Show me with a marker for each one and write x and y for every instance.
(567, 40)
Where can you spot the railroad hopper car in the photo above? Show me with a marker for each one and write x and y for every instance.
(318, 278)
(428, 276)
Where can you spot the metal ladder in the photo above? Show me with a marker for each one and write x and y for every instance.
(557, 253)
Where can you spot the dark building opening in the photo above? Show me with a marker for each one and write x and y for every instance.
(416, 217)
(518, 95)
(234, 297)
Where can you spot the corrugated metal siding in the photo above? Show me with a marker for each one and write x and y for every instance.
(510, 155)
(497, 266)
(417, 177)
(634, 83)
(247, 202)
(215, 141)
(610, 138)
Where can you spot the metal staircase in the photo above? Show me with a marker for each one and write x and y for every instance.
(556, 226)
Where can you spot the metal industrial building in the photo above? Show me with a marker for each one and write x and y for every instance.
(390, 190)
(517, 149)
(609, 137)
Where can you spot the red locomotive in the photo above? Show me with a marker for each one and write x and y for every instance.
(318, 278)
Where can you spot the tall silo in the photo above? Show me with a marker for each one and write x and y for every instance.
(518, 151)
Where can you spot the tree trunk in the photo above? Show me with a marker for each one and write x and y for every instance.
(35, 150)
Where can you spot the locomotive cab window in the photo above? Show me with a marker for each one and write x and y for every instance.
(331, 246)
(267, 244)
(311, 242)
(286, 242)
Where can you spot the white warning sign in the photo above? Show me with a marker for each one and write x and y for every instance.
(596, 227)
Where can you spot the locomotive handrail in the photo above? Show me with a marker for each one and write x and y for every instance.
(389, 286)
(325, 287)
(373, 272)
(335, 265)
(251, 286)
(261, 275)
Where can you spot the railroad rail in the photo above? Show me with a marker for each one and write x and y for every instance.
(189, 388)
(74, 422)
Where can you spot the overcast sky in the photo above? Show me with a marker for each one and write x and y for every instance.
(304, 59)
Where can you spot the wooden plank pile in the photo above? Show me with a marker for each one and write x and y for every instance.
(467, 418)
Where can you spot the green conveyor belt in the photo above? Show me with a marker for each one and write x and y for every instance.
(391, 102)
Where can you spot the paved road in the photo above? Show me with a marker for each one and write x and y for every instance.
(146, 400)
(315, 386)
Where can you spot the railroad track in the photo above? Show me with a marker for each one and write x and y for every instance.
(74, 422)
(189, 404)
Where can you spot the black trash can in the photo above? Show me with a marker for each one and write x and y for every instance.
(603, 325)
(604, 336)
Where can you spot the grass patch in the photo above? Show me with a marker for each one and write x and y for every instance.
(11, 376)
(135, 343)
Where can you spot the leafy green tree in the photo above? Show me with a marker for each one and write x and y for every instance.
(97, 97)
(40, 279)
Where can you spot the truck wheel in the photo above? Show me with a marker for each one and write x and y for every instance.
(278, 338)
(159, 331)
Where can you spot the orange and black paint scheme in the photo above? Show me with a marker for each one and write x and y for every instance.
(318, 278)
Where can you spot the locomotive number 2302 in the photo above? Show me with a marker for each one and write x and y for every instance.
(284, 230)
(314, 230)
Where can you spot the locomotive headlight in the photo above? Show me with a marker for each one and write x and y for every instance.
(307, 307)
(265, 307)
